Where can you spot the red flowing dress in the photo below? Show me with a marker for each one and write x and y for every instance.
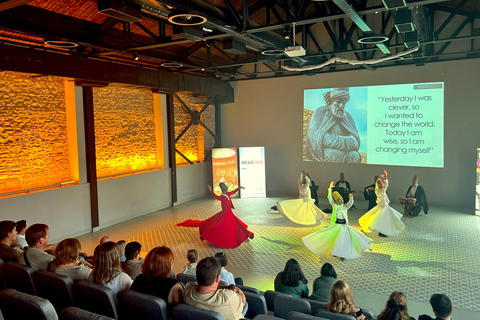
(224, 229)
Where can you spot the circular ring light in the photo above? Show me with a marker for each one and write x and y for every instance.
(187, 19)
(172, 65)
(373, 39)
(60, 44)
(273, 52)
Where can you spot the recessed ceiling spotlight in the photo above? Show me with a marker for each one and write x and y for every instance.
(186, 19)
(373, 38)
(60, 44)
(273, 52)
(172, 65)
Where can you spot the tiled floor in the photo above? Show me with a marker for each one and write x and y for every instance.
(437, 253)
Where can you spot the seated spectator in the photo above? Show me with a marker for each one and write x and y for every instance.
(341, 301)
(8, 234)
(226, 277)
(121, 248)
(105, 239)
(155, 279)
(191, 267)
(207, 294)
(369, 194)
(291, 280)
(66, 260)
(35, 256)
(107, 270)
(21, 229)
(416, 191)
(343, 187)
(442, 308)
(133, 263)
(396, 308)
(323, 284)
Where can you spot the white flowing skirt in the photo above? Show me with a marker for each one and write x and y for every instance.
(301, 211)
(385, 220)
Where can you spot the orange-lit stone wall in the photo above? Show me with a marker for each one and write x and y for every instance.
(33, 132)
(124, 130)
(196, 142)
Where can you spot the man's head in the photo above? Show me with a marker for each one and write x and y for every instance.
(37, 235)
(208, 271)
(441, 305)
(337, 197)
(415, 180)
(7, 230)
(105, 239)
(342, 176)
(223, 187)
(21, 226)
(336, 100)
(132, 250)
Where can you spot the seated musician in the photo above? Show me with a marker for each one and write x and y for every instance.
(369, 194)
(415, 191)
(342, 187)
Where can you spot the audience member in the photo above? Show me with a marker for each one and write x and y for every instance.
(133, 263)
(107, 270)
(8, 234)
(121, 249)
(66, 260)
(21, 229)
(442, 308)
(343, 187)
(416, 191)
(207, 294)
(291, 280)
(395, 308)
(226, 277)
(155, 278)
(341, 301)
(35, 256)
(323, 284)
(105, 239)
(369, 194)
(191, 267)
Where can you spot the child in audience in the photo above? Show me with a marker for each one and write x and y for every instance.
(191, 267)
(21, 228)
(291, 280)
(395, 308)
(341, 301)
(107, 270)
(226, 277)
(323, 284)
(155, 279)
(121, 248)
(66, 260)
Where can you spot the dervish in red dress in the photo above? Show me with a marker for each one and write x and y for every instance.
(224, 229)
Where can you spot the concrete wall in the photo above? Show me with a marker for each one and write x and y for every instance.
(269, 113)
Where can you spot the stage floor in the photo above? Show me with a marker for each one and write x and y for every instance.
(438, 252)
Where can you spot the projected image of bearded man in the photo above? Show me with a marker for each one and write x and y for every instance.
(332, 135)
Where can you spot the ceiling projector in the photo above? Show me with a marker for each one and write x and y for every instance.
(295, 51)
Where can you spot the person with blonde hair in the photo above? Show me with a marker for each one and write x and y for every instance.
(107, 270)
(341, 301)
(156, 279)
(395, 308)
(382, 217)
(66, 260)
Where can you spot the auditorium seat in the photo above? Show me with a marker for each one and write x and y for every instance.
(19, 277)
(72, 313)
(256, 304)
(57, 288)
(316, 305)
(184, 311)
(249, 289)
(136, 305)
(2, 278)
(266, 317)
(18, 305)
(95, 298)
(184, 278)
(284, 303)
(294, 315)
(269, 297)
(334, 316)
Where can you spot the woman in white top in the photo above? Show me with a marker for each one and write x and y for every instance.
(107, 270)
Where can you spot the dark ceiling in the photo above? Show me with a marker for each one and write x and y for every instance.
(229, 44)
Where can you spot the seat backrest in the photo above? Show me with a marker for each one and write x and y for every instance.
(72, 313)
(136, 305)
(2, 278)
(18, 305)
(249, 289)
(256, 304)
(269, 296)
(294, 315)
(57, 288)
(334, 316)
(315, 305)
(266, 317)
(95, 298)
(182, 277)
(186, 312)
(19, 277)
(284, 303)
(368, 314)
